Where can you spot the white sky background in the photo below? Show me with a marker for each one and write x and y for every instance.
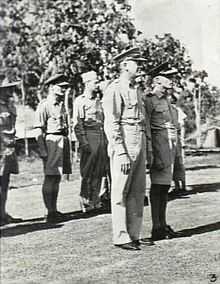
(196, 23)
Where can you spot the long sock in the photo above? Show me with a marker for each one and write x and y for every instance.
(155, 206)
(163, 204)
(55, 192)
(47, 191)
(183, 185)
(4, 182)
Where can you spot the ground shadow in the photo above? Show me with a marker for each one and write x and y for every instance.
(38, 224)
(196, 188)
(27, 228)
(201, 167)
(201, 229)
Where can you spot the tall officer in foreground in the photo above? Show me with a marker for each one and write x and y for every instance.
(125, 129)
(8, 159)
(161, 149)
(51, 122)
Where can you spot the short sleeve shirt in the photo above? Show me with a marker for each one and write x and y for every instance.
(51, 116)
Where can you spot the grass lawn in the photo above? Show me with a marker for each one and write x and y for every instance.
(80, 250)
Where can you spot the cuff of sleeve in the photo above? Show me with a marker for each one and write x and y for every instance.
(120, 150)
(43, 151)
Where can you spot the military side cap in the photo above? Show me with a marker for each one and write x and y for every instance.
(57, 90)
(129, 54)
(58, 79)
(89, 76)
(9, 84)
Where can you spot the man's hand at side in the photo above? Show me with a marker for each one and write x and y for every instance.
(125, 164)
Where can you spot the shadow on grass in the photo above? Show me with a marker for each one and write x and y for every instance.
(201, 167)
(27, 228)
(201, 229)
(196, 188)
(38, 224)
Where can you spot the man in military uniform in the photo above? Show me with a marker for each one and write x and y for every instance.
(52, 131)
(8, 159)
(179, 174)
(161, 149)
(88, 119)
(125, 129)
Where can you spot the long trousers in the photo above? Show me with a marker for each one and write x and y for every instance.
(159, 199)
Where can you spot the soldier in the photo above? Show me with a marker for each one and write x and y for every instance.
(179, 175)
(161, 149)
(52, 131)
(8, 159)
(88, 125)
(124, 126)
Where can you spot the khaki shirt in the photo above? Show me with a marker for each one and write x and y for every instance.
(87, 115)
(160, 115)
(51, 116)
(123, 105)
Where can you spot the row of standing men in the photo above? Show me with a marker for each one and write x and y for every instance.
(117, 136)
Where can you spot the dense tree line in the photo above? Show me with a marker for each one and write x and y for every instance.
(42, 37)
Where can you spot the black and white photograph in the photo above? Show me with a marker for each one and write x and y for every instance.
(109, 141)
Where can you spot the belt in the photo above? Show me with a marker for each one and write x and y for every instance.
(98, 128)
(57, 133)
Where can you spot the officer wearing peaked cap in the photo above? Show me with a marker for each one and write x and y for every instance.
(161, 149)
(52, 129)
(164, 70)
(57, 79)
(132, 54)
(125, 130)
(8, 159)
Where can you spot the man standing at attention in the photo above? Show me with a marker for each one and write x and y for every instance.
(88, 119)
(179, 173)
(51, 122)
(161, 149)
(8, 159)
(125, 129)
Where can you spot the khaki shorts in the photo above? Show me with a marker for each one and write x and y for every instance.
(58, 160)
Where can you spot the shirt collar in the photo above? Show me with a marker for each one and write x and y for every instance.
(52, 100)
(158, 94)
(88, 96)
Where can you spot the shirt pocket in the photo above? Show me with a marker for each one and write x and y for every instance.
(90, 112)
(161, 108)
(161, 150)
(56, 121)
(162, 113)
